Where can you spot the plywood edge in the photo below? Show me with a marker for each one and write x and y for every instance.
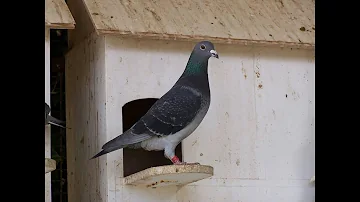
(196, 38)
(287, 23)
(58, 15)
(160, 175)
(50, 165)
(60, 25)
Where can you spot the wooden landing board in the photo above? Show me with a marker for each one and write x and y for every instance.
(169, 175)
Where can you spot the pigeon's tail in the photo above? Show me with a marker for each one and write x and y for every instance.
(105, 151)
(122, 141)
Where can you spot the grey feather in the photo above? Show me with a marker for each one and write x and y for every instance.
(170, 114)
(52, 120)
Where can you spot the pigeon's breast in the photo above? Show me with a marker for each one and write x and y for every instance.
(195, 123)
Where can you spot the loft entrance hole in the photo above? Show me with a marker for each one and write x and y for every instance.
(135, 160)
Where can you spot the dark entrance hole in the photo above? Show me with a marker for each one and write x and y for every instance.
(136, 160)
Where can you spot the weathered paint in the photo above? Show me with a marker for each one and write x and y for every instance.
(258, 134)
(85, 115)
(47, 99)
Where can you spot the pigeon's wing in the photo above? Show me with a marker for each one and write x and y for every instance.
(171, 113)
(56, 122)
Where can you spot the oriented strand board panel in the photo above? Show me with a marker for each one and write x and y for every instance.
(57, 15)
(279, 22)
(170, 175)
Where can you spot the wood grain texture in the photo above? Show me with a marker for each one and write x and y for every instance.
(285, 23)
(85, 115)
(58, 15)
(170, 175)
(47, 100)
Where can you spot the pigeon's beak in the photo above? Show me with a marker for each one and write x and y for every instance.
(214, 54)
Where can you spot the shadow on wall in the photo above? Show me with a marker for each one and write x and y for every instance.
(136, 160)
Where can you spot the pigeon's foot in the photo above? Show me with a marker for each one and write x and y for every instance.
(176, 161)
(185, 163)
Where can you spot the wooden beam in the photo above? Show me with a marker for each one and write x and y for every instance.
(57, 15)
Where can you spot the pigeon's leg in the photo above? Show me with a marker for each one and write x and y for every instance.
(170, 154)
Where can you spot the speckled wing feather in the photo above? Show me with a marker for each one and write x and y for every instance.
(170, 114)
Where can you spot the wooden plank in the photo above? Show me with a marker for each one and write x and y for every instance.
(58, 15)
(85, 115)
(84, 26)
(47, 100)
(285, 23)
(170, 175)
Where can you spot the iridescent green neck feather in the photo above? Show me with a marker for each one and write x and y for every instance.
(196, 65)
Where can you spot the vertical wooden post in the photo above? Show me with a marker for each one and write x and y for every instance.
(47, 100)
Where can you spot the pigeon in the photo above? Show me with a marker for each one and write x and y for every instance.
(51, 120)
(176, 114)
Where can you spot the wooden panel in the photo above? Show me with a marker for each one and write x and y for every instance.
(254, 156)
(85, 115)
(213, 190)
(249, 22)
(284, 90)
(57, 15)
(170, 175)
(84, 26)
(235, 137)
(47, 100)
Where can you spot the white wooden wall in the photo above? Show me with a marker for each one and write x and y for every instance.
(85, 115)
(47, 99)
(258, 134)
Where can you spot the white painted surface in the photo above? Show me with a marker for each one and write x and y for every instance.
(85, 115)
(47, 99)
(260, 142)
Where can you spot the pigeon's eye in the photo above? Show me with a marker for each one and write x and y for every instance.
(202, 47)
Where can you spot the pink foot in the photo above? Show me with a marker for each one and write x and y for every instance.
(185, 163)
(176, 161)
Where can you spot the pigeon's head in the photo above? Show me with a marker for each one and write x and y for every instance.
(205, 49)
